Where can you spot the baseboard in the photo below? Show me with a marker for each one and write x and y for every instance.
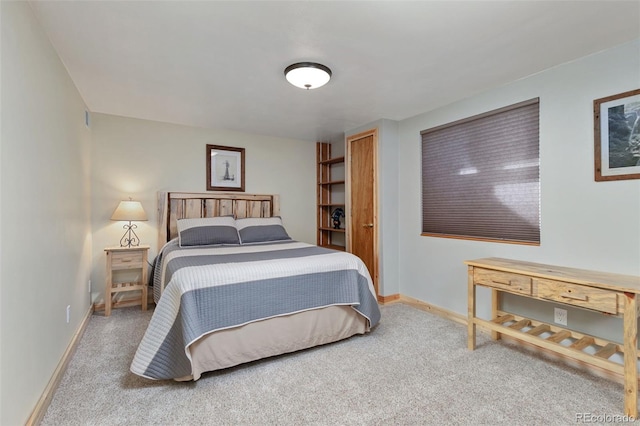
(434, 309)
(388, 299)
(462, 319)
(43, 403)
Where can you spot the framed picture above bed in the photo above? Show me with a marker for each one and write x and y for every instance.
(225, 168)
(617, 136)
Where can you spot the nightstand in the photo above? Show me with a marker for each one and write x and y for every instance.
(125, 258)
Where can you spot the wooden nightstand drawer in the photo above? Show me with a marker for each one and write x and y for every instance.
(126, 260)
(505, 281)
(578, 295)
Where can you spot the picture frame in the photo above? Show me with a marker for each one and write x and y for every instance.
(617, 136)
(225, 168)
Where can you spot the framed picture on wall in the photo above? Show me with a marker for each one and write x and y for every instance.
(225, 168)
(617, 136)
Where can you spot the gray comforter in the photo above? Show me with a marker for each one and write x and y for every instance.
(200, 290)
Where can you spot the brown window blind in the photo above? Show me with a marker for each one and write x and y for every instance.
(481, 176)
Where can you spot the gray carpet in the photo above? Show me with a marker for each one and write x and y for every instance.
(414, 368)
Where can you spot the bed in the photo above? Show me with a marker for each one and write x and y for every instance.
(231, 287)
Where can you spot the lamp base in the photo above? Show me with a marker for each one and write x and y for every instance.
(130, 238)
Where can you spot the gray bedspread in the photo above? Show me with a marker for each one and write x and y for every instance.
(199, 290)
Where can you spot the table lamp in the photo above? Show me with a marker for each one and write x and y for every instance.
(129, 211)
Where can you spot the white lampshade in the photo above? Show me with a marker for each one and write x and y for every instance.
(129, 210)
(307, 75)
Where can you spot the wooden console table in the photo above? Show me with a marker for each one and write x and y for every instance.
(609, 294)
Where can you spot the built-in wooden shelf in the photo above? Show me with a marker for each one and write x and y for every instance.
(335, 247)
(335, 160)
(325, 204)
(326, 228)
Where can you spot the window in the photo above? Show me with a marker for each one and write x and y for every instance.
(481, 176)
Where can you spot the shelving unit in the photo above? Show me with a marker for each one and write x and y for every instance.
(327, 202)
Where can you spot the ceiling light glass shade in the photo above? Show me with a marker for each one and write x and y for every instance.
(129, 210)
(307, 75)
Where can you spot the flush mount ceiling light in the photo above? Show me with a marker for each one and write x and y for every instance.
(307, 75)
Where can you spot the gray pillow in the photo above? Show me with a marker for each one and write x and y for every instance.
(208, 231)
(261, 230)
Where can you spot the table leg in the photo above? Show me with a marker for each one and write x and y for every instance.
(144, 284)
(107, 288)
(471, 313)
(495, 304)
(630, 355)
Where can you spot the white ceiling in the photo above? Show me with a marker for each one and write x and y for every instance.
(219, 64)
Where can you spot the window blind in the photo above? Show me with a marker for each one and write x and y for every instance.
(481, 176)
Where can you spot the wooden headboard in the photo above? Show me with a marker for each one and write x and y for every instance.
(187, 205)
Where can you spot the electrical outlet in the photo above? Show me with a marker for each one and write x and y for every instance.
(68, 313)
(560, 316)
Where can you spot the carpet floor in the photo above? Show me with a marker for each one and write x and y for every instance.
(413, 369)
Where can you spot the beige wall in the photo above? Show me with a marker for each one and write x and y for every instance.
(45, 217)
(137, 158)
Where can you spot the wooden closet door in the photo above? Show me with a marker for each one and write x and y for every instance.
(363, 230)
